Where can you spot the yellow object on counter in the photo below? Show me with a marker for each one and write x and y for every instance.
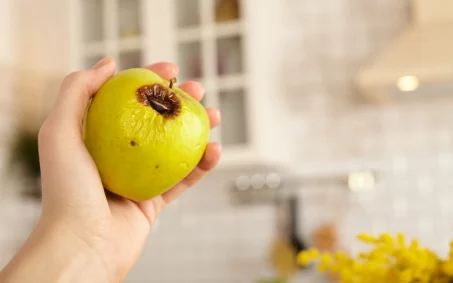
(390, 260)
(284, 258)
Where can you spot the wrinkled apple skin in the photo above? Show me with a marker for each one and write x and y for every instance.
(138, 152)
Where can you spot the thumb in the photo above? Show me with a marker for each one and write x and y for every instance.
(78, 88)
(63, 157)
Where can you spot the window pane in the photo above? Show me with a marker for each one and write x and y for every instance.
(234, 119)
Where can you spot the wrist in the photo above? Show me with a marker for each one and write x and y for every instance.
(56, 256)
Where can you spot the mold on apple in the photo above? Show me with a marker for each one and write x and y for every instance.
(160, 98)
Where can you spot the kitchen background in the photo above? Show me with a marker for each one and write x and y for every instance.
(344, 104)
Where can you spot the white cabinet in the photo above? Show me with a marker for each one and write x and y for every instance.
(60, 36)
(55, 37)
(234, 48)
(114, 28)
(235, 54)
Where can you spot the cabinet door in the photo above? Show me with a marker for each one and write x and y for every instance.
(225, 45)
(204, 38)
(131, 51)
(158, 31)
(111, 28)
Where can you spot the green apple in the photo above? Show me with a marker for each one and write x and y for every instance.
(144, 134)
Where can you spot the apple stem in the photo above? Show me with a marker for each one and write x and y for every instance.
(172, 81)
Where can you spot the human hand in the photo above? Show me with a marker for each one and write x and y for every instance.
(86, 234)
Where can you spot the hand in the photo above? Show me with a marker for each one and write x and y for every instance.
(86, 234)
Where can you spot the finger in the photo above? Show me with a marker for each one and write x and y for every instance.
(195, 89)
(210, 159)
(152, 208)
(214, 117)
(164, 69)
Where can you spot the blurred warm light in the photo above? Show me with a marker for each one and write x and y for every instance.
(258, 181)
(243, 183)
(360, 181)
(408, 83)
(273, 180)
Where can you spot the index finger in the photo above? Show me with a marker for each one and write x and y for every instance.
(169, 71)
(164, 69)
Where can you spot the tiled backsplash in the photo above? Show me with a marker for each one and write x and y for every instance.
(203, 238)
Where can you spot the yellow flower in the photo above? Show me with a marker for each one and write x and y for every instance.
(414, 245)
(406, 276)
(386, 239)
(326, 258)
(401, 239)
(346, 275)
(325, 262)
(341, 256)
(322, 267)
(303, 258)
(335, 268)
(389, 260)
(366, 238)
(314, 253)
(448, 268)
(306, 257)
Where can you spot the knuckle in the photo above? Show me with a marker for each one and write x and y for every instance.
(48, 132)
(74, 77)
(44, 132)
(49, 138)
(192, 179)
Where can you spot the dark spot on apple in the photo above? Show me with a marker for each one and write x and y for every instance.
(162, 99)
(157, 166)
(133, 143)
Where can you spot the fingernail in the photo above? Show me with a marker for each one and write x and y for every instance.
(102, 62)
(219, 115)
(203, 89)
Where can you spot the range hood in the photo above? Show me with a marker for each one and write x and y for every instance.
(419, 61)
